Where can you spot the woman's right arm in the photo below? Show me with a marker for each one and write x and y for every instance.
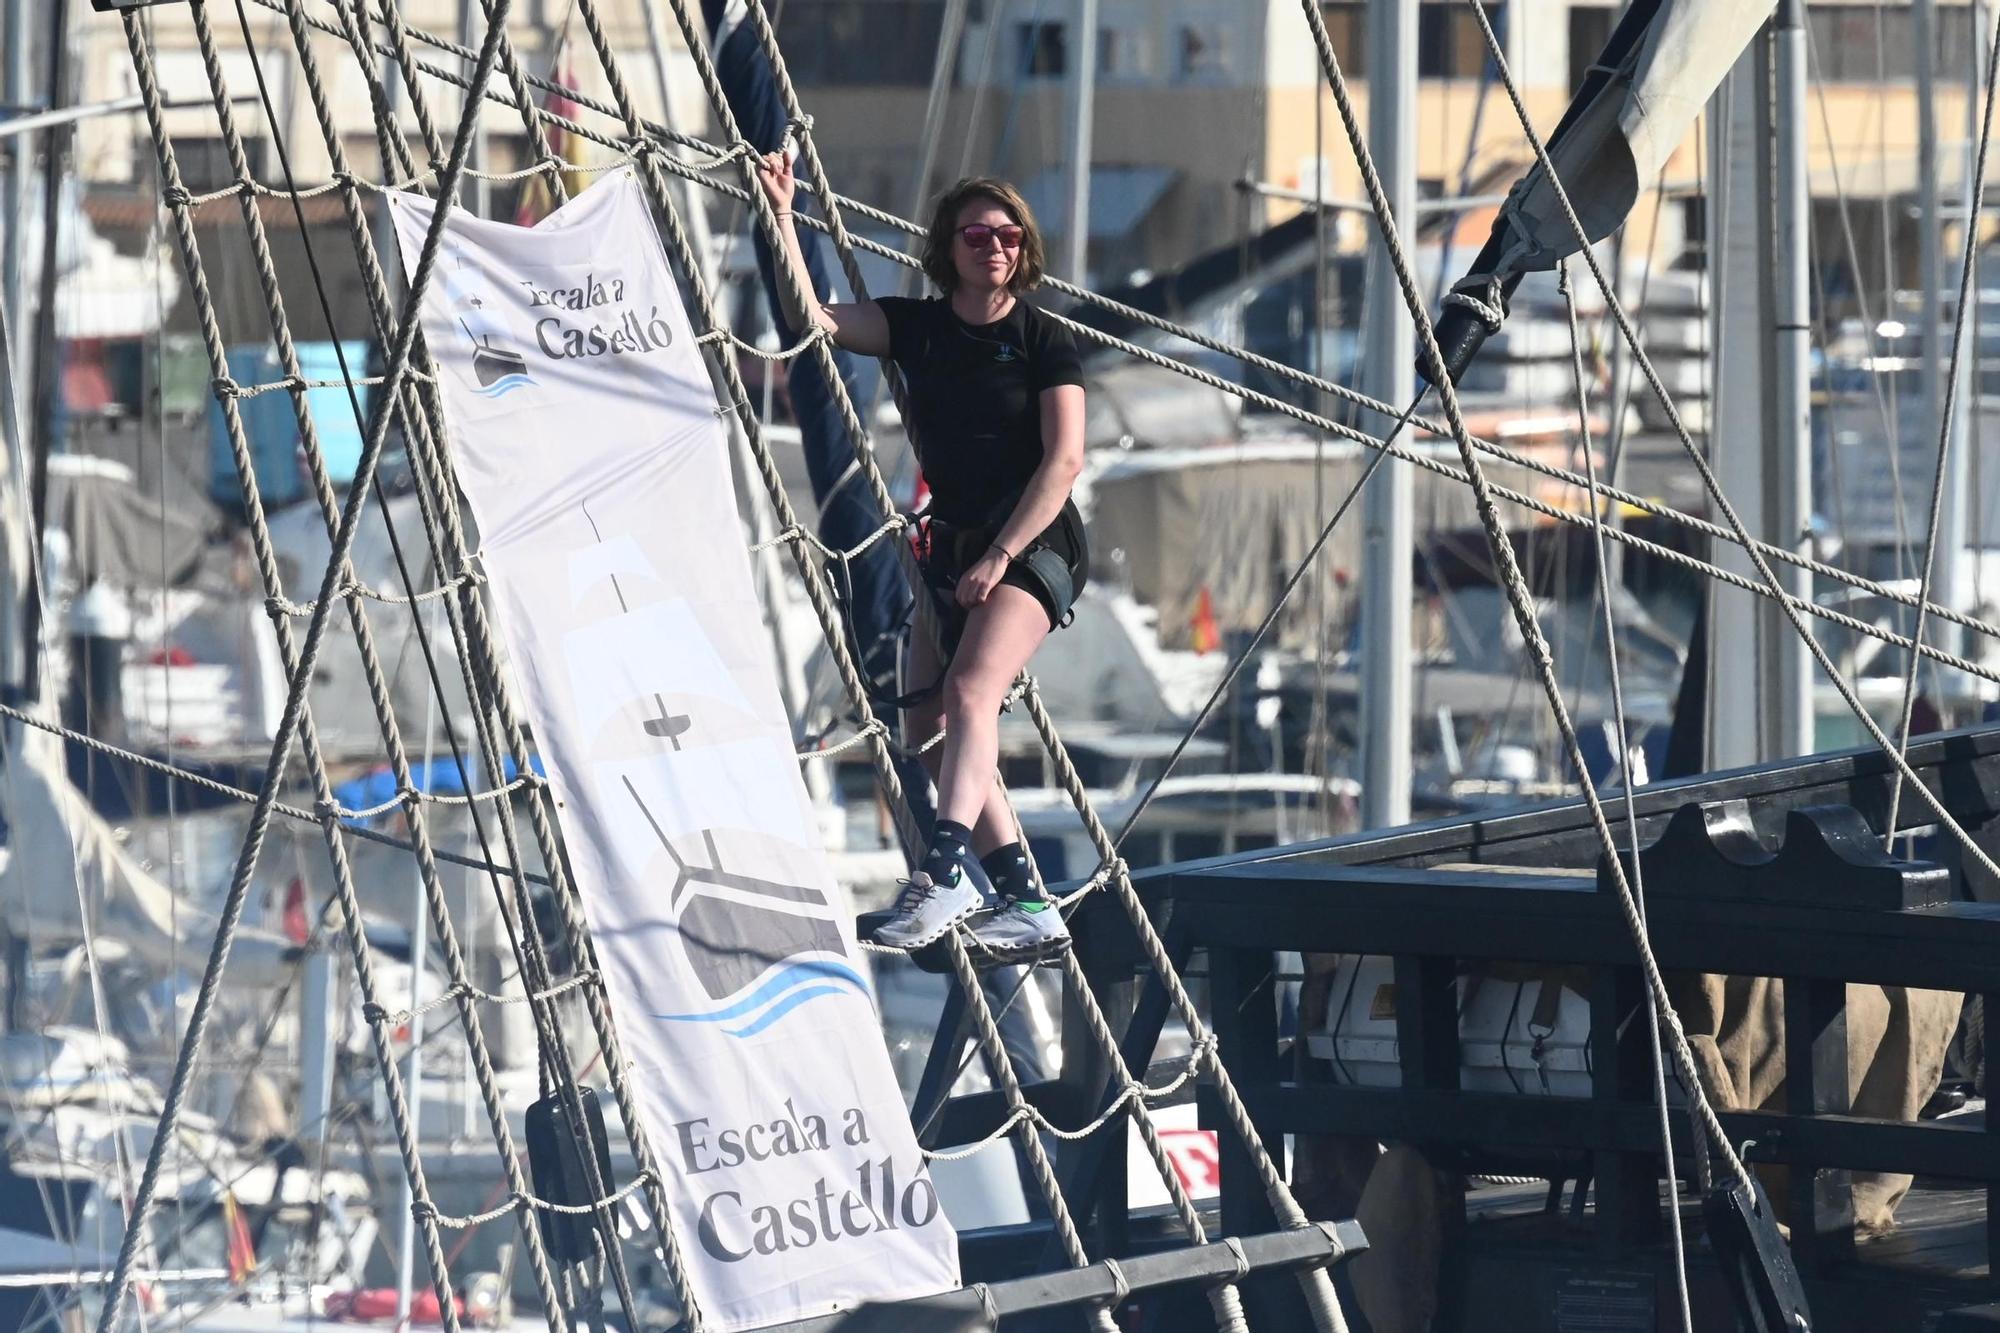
(859, 327)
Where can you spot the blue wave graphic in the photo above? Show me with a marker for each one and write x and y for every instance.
(783, 991)
(505, 384)
(783, 1007)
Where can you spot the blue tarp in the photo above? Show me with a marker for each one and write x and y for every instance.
(272, 427)
(442, 777)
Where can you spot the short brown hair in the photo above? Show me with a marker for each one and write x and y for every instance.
(938, 265)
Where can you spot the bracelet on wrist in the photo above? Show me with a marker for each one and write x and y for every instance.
(1004, 551)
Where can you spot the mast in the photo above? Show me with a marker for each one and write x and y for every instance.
(1083, 97)
(1390, 375)
(1759, 428)
(1791, 704)
(475, 191)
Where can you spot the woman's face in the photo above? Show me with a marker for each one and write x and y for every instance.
(988, 266)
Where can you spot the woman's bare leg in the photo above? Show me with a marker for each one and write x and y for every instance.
(1000, 636)
(995, 824)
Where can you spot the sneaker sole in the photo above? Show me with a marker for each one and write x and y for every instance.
(1006, 956)
(924, 941)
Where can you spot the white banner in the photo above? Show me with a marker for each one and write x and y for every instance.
(586, 435)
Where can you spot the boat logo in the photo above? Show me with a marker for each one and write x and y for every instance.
(499, 368)
(1007, 354)
(755, 963)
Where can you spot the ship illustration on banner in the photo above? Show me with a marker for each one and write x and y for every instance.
(759, 948)
(498, 368)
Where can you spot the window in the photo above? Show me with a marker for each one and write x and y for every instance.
(1041, 50)
(1859, 43)
(1347, 25)
(1201, 53)
(1694, 232)
(1450, 43)
(1589, 29)
(204, 162)
(1120, 54)
(833, 43)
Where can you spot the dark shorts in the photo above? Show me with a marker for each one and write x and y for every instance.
(1052, 569)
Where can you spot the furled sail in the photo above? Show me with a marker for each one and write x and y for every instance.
(1652, 79)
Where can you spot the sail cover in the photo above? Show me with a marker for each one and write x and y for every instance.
(586, 435)
(1618, 137)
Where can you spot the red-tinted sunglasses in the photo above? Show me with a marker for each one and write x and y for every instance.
(978, 236)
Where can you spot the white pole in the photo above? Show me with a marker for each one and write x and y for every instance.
(1083, 98)
(476, 191)
(406, 1241)
(316, 1042)
(1390, 375)
(1741, 369)
(1792, 689)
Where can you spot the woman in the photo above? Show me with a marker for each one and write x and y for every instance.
(996, 415)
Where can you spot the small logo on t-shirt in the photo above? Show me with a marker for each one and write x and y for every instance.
(1006, 352)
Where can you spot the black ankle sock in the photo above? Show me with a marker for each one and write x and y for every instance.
(951, 844)
(1007, 867)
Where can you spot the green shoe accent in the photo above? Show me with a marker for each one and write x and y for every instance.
(1032, 905)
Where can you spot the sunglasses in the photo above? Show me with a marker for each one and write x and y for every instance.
(979, 236)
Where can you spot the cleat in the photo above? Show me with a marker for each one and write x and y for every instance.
(926, 910)
(1023, 930)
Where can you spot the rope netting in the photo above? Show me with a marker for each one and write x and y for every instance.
(407, 397)
(378, 46)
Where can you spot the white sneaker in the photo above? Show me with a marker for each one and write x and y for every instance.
(1021, 929)
(925, 910)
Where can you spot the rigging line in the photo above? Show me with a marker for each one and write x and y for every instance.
(1299, 571)
(1298, 574)
(1707, 474)
(1518, 597)
(1601, 548)
(36, 588)
(537, 975)
(553, 1053)
(295, 718)
(1031, 1147)
(1881, 384)
(1699, 525)
(1318, 1289)
(1886, 226)
(1965, 300)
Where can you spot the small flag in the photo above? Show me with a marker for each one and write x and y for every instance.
(1207, 634)
(537, 199)
(297, 928)
(242, 1253)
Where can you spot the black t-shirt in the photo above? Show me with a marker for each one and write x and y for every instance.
(975, 398)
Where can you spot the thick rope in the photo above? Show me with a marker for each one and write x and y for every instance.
(294, 718)
(380, 697)
(1002, 1065)
(1602, 555)
(461, 989)
(1226, 1300)
(473, 638)
(1519, 598)
(1769, 579)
